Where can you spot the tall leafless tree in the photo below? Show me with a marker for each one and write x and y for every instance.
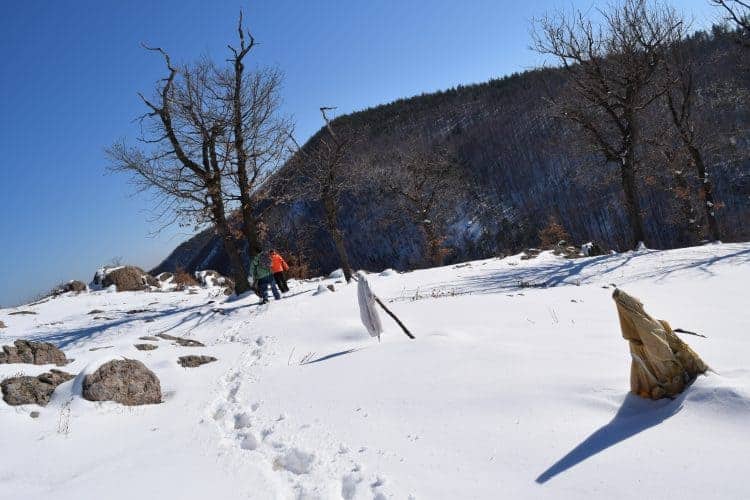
(611, 67)
(185, 156)
(681, 96)
(426, 183)
(325, 172)
(217, 136)
(259, 132)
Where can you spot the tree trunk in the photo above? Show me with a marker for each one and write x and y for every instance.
(338, 238)
(629, 187)
(239, 273)
(691, 230)
(249, 226)
(432, 245)
(632, 204)
(708, 196)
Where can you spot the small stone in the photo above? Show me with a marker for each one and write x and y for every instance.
(137, 311)
(34, 414)
(181, 340)
(194, 361)
(100, 348)
(146, 347)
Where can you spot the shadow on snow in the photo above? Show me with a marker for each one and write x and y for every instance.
(634, 416)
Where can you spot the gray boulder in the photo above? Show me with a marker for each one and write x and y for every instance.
(35, 353)
(126, 381)
(2, 325)
(37, 390)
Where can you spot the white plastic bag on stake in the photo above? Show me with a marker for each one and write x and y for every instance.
(367, 311)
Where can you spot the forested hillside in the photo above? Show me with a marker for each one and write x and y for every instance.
(521, 167)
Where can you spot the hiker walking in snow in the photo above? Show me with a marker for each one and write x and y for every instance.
(278, 267)
(260, 272)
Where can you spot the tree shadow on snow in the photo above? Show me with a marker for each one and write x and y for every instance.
(634, 416)
(545, 274)
(66, 338)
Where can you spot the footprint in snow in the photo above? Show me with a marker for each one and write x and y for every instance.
(249, 441)
(295, 461)
(242, 420)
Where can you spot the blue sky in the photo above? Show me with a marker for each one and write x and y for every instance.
(71, 70)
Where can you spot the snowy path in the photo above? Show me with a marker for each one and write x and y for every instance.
(516, 386)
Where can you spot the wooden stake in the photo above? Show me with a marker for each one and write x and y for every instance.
(403, 327)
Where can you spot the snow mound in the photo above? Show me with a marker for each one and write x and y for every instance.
(388, 272)
(322, 290)
(210, 278)
(338, 273)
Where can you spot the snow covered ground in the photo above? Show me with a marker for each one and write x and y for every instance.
(515, 387)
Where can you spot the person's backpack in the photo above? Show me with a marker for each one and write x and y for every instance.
(264, 262)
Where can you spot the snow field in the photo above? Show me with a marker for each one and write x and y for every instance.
(516, 386)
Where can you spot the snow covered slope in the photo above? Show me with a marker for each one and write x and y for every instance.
(515, 387)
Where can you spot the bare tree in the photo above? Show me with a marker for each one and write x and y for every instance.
(324, 172)
(259, 133)
(185, 155)
(681, 99)
(426, 183)
(737, 12)
(611, 69)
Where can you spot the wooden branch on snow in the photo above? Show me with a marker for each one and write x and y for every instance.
(395, 318)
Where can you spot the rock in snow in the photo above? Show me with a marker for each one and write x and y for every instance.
(124, 279)
(125, 381)
(71, 286)
(193, 361)
(24, 390)
(182, 341)
(35, 353)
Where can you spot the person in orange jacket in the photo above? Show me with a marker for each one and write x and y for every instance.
(278, 267)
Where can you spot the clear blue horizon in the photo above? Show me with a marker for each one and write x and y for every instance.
(71, 72)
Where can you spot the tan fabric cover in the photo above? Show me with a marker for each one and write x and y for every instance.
(662, 364)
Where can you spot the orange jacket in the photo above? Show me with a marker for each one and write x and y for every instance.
(278, 264)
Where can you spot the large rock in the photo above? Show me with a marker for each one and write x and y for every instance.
(37, 390)
(125, 278)
(125, 381)
(35, 353)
